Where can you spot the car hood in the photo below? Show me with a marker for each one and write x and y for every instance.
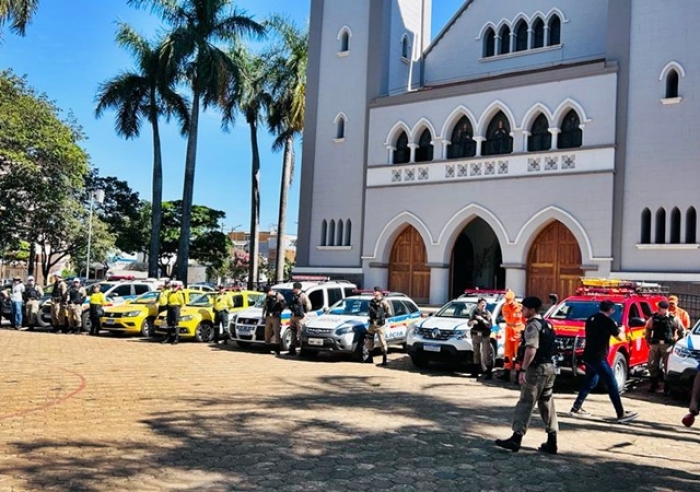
(443, 323)
(568, 328)
(335, 321)
(691, 342)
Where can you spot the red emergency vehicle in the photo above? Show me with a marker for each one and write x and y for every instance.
(634, 304)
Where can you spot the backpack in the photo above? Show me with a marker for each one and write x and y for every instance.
(547, 345)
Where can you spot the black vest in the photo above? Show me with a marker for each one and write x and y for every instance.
(56, 292)
(661, 328)
(273, 307)
(296, 306)
(74, 296)
(32, 293)
(547, 345)
(377, 313)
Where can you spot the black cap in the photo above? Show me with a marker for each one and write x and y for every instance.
(532, 302)
(296, 285)
(377, 288)
(663, 304)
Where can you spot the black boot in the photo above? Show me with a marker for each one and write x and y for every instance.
(654, 385)
(488, 376)
(383, 358)
(476, 371)
(504, 375)
(292, 351)
(513, 442)
(551, 445)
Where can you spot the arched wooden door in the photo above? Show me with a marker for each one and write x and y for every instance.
(554, 263)
(408, 268)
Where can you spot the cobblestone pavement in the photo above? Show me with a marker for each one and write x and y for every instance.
(108, 414)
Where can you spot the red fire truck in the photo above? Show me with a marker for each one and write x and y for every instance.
(634, 303)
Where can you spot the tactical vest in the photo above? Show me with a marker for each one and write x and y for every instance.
(32, 293)
(74, 296)
(377, 313)
(547, 345)
(56, 292)
(273, 307)
(661, 328)
(296, 306)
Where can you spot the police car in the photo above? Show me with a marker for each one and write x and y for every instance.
(343, 328)
(248, 327)
(446, 336)
(683, 362)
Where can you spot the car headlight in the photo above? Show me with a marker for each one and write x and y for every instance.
(461, 334)
(345, 329)
(187, 318)
(412, 330)
(681, 351)
(132, 314)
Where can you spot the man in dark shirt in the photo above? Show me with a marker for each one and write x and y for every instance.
(599, 328)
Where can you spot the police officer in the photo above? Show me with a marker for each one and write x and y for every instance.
(222, 303)
(536, 380)
(299, 306)
(97, 302)
(662, 331)
(32, 294)
(480, 323)
(379, 311)
(58, 301)
(272, 313)
(76, 296)
(176, 299)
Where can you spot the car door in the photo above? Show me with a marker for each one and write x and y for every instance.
(318, 302)
(396, 325)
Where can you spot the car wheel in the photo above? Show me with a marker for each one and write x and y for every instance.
(204, 332)
(307, 354)
(286, 340)
(147, 328)
(620, 372)
(86, 321)
(41, 322)
(419, 361)
(243, 345)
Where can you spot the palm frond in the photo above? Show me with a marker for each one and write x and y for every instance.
(19, 13)
(135, 43)
(127, 94)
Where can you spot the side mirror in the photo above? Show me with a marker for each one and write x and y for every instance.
(325, 310)
(637, 323)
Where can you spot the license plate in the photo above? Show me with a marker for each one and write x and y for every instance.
(431, 347)
(317, 342)
(109, 322)
(246, 329)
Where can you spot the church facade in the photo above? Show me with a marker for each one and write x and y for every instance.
(526, 145)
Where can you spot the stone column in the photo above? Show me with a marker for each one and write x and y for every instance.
(479, 141)
(376, 274)
(555, 137)
(413, 148)
(439, 284)
(516, 278)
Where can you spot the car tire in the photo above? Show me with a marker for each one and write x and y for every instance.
(419, 361)
(286, 340)
(147, 328)
(620, 371)
(243, 345)
(204, 332)
(85, 321)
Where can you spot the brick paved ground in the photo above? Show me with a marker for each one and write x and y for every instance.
(110, 414)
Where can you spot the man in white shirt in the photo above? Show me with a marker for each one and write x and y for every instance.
(17, 300)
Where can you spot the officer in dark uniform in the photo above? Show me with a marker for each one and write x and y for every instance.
(32, 294)
(272, 313)
(536, 379)
(176, 299)
(379, 311)
(661, 332)
(76, 296)
(299, 306)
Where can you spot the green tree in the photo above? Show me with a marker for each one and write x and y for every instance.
(147, 92)
(248, 94)
(208, 244)
(197, 26)
(17, 13)
(286, 115)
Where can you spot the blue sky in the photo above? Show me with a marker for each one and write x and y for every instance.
(69, 49)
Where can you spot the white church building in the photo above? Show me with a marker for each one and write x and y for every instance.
(527, 144)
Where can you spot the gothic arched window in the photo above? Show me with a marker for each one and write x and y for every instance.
(540, 139)
(424, 152)
(463, 144)
(402, 154)
(521, 36)
(660, 232)
(538, 34)
(505, 40)
(554, 31)
(489, 43)
(571, 135)
(672, 84)
(498, 139)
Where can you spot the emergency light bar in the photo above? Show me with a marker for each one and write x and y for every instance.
(309, 278)
(592, 286)
(113, 278)
(485, 291)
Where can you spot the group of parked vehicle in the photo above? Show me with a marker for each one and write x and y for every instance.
(339, 318)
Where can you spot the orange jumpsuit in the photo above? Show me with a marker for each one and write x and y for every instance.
(513, 314)
(682, 316)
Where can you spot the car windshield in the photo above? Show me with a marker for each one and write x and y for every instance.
(286, 293)
(105, 287)
(351, 307)
(582, 310)
(696, 329)
(147, 298)
(456, 310)
(200, 300)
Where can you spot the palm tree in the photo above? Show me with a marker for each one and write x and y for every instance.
(248, 94)
(148, 92)
(286, 116)
(197, 26)
(18, 13)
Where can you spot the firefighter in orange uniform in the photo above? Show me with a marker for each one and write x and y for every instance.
(512, 312)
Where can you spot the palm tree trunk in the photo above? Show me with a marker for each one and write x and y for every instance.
(183, 252)
(254, 207)
(284, 192)
(157, 206)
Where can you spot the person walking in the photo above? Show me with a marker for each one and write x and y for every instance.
(58, 302)
(272, 314)
(17, 302)
(76, 296)
(176, 299)
(599, 328)
(222, 303)
(661, 332)
(536, 380)
(97, 302)
(480, 323)
(299, 306)
(379, 311)
(512, 312)
(675, 310)
(32, 294)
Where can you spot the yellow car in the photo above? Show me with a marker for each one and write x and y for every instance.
(197, 317)
(136, 317)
